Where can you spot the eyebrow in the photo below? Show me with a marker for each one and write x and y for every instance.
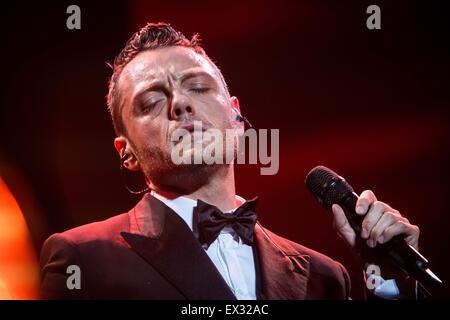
(192, 74)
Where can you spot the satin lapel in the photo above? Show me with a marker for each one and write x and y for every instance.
(284, 273)
(165, 241)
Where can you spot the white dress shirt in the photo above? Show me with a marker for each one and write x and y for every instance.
(232, 258)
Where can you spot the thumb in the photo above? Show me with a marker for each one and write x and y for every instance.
(342, 226)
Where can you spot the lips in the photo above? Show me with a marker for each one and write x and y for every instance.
(190, 127)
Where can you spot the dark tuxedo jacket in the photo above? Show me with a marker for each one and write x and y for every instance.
(150, 253)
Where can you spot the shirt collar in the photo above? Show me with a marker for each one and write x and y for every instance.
(184, 206)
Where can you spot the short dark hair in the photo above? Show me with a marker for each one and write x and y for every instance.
(150, 37)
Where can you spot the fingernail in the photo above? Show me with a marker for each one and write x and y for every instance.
(370, 243)
(364, 233)
(359, 209)
(381, 239)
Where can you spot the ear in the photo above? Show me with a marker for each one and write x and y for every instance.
(239, 125)
(123, 146)
(235, 104)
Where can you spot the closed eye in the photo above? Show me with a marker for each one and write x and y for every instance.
(199, 90)
(146, 107)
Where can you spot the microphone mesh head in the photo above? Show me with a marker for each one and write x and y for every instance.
(327, 186)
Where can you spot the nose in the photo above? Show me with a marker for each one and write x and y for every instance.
(181, 107)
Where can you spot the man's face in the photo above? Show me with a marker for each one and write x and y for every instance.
(163, 90)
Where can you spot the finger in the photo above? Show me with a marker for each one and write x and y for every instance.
(410, 231)
(366, 198)
(370, 220)
(376, 234)
(342, 225)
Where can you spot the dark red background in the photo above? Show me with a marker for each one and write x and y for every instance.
(372, 105)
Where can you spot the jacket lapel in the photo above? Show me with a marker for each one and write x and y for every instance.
(284, 271)
(164, 240)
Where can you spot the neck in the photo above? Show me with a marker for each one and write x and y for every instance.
(217, 189)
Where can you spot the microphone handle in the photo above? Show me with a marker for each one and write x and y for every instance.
(397, 249)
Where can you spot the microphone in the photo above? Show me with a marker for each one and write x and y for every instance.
(330, 188)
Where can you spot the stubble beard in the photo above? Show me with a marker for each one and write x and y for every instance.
(162, 173)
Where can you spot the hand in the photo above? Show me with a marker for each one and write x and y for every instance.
(381, 222)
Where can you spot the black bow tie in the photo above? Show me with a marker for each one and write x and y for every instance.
(211, 221)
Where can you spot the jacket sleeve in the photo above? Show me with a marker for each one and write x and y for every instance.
(61, 270)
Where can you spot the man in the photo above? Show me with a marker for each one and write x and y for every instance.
(170, 245)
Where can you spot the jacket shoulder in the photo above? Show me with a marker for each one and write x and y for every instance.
(65, 249)
(105, 230)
